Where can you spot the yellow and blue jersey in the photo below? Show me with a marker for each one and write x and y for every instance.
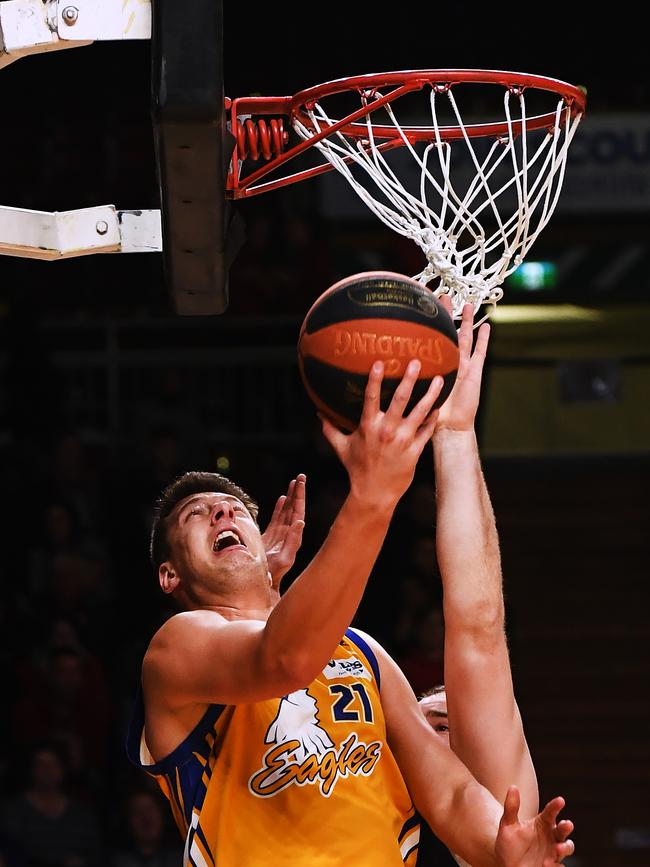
(306, 780)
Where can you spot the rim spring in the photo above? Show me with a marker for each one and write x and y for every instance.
(261, 139)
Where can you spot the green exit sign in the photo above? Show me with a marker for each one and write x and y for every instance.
(534, 276)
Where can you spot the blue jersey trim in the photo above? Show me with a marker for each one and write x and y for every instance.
(194, 742)
(367, 652)
(201, 835)
(411, 823)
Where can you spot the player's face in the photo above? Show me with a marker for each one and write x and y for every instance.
(434, 708)
(214, 534)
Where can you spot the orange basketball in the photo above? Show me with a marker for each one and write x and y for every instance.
(366, 317)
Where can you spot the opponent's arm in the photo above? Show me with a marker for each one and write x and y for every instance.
(461, 812)
(485, 726)
(201, 657)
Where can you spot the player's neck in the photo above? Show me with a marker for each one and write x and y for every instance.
(235, 611)
(237, 595)
(248, 602)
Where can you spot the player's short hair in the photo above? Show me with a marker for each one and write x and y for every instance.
(435, 690)
(182, 487)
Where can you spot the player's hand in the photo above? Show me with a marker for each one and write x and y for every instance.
(538, 842)
(459, 410)
(381, 454)
(283, 536)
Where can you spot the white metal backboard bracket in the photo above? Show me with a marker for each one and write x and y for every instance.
(36, 26)
(66, 234)
(104, 20)
(29, 27)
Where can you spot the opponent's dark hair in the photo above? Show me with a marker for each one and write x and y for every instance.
(435, 690)
(185, 486)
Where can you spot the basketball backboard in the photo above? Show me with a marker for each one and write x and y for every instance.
(193, 149)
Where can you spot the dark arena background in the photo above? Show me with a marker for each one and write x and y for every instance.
(106, 396)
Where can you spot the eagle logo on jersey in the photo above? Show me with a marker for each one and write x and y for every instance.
(297, 720)
(303, 752)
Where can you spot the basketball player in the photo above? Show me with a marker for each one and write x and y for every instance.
(265, 728)
(486, 730)
(477, 667)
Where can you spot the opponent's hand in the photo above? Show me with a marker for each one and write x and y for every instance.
(381, 454)
(283, 536)
(538, 842)
(459, 410)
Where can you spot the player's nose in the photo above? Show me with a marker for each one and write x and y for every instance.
(222, 509)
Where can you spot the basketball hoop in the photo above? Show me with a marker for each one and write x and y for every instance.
(474, 209)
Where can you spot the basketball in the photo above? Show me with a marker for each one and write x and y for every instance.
(376, 315)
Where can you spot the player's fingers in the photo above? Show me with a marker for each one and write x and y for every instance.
(292, 542)
(299, 498)
(287, 507)
(445, 301)
(426, 431)
(562, 850)
(482, 340)
(465, 332)
(511, 806)
(420, 412)
(563, 829)
(372, 395)
(277, 511)
(403, 392)
(290, 503)
(566, 849)
(295, 531)
(550, 812)
(334, 436)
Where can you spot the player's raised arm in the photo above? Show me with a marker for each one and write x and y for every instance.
(484, 722)
(228, 647)
(464, 814)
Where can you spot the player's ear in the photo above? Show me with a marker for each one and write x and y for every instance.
(167, 577)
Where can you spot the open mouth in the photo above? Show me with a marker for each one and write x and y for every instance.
(226, 539)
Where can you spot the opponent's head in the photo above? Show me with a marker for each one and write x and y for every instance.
(434, 708)
(206, 546)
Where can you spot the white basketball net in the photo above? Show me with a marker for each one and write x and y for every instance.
(469, 244)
